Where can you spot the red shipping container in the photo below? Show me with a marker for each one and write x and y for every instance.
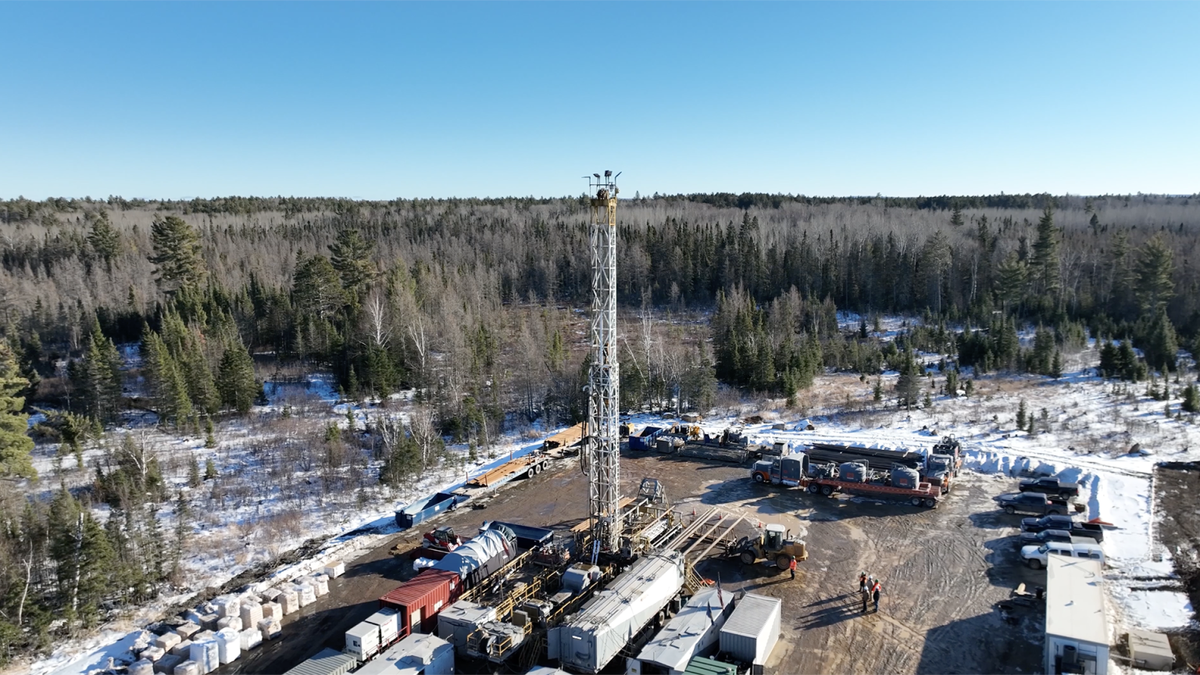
(420, 599)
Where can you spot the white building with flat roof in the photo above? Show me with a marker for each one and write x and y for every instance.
(1076, 623)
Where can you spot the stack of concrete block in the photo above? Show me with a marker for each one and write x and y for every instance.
(141, 667)
(334, 569)
(143, 639)
(187, 668)
(320, 584)
(270, 628)
(229, 645)
(206, 654)
(209, 621)
(167, 641)
(251, 638)
(226, 605)
(166, 664)
(252, 613)
(271, 610)
(234, 622)
(305, 593)
(288, 600)
(187, 630)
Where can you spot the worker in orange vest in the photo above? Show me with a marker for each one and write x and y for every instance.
(792, 567)
(875, 592)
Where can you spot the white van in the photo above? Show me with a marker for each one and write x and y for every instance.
(1035, 556)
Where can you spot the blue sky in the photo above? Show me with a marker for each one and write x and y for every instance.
(379, 100)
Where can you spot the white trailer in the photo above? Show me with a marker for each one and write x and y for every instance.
(752, 631)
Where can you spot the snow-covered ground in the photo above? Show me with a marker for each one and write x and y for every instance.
(1088, 427)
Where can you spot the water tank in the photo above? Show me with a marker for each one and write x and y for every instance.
(904, 477)
(852, 472)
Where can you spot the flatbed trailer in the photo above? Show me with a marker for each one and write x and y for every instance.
(528, 466)
(924, 495)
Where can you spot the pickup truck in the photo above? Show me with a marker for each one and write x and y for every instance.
(1077, 529)
(1050, 486)
(1046, 536)
(1031, 502)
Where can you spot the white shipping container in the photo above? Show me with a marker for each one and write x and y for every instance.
(752, 631)
(141, 667)
(206, 656)
(389, 624)
(251, 638)
(270, 610)
(168, 641)
(230, 622)
(335, 569)
(187, 668)
(252, 613)
(269, 628)
(187, 630)
(362, 641)
(229, 645)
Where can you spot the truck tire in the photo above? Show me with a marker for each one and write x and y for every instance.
(758, 478)
(916, 501)
(746, 557)
(1010, 510)
(930, 502)
(531, 472)
(814, 488)
(783, 561)
(826, 490)
(1052, 512)
(1035, 564)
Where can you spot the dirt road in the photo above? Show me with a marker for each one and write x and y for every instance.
(1178, 497)
(943, 572)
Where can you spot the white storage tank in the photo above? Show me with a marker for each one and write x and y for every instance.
(362, 641)
(458, 621)
(388, 621)
(752, 631)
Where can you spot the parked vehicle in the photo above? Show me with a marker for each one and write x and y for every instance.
(790, 471)
(1036, 556)
(1031, 502)
(1046, 536)
(940, 470)
(775, 543)
(1050, 486)
(1076, 528)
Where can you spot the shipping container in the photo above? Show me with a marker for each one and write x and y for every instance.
(753, 629)
(419, 600)
(326, 662)
(414, 655)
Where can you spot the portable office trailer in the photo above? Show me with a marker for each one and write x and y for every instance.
(326, 662)
(419, 599)
(414, 655)
(591, 638)
(1076, 624)
(692, 632)
(459, 620)
(752, 631)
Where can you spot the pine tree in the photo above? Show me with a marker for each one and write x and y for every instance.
(316, 289)
(177, 254)
(1191, 398)
(952, 383)
(1161, 345)
(16, 447)
(1021, 415)
(956, 218)
(1045, 256)
(1056, 366)
(235, 379)
(168, 389)
(194, 474)
(105, 241)
(350, 255)
(877, 390)
(969, 388)
(210, 469)
(1155, 265)
(97, 378)
(908, 386)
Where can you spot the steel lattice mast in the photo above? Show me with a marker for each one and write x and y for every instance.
(603, 460)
